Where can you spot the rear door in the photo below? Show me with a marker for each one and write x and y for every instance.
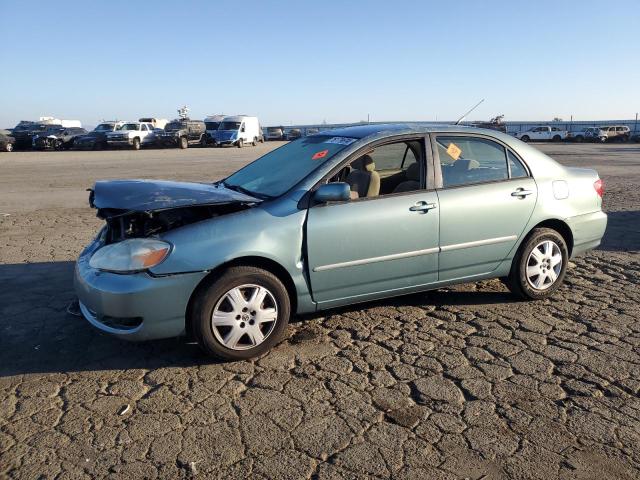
(377, 245)
(486, 197)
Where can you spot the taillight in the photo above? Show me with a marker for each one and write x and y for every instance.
(599, 186)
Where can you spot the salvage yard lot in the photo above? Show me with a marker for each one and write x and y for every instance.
(459, 382)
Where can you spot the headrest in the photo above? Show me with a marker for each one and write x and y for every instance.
(364, 163)
(464, 164)
(413, 172)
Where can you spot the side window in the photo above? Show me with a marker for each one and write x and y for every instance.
(516, 167)
(144, 128)
(468, 160)
(387, 169)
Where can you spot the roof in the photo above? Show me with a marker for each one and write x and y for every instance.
(362, 131)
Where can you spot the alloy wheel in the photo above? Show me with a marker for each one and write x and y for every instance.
(244, 317)
(544, 265)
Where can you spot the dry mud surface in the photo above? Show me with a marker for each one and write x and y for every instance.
(461, 382)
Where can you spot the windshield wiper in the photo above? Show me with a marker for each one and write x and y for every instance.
(240, 189)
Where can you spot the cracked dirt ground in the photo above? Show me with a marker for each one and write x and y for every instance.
(462, 382)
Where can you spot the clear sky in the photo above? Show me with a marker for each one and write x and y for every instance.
(308, 61)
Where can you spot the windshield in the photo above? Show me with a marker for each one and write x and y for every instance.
(279, 170)
(229, 126)
(130, 126)
(104, 127)
(212, 125)
(173, 126)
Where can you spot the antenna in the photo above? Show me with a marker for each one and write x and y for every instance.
(471, 110)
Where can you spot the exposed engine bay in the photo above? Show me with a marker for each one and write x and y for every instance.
(122, 225)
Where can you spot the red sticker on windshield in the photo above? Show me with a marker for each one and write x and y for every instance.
(320, 154)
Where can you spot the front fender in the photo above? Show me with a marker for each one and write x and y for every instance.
(274, 232)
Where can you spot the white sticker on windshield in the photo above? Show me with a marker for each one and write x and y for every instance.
(341, 140)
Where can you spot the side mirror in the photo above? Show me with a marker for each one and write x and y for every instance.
(332, 192)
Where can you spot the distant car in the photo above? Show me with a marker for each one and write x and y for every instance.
(311, 131)
(590, 134)
(132, 134)
(635, 137)
(354, 215)
(616, 133)
(546, 133)
(57, 138)
(212, 122)
(294, 134)
(25, 131)
(97, 138)
(181, 133)
(275, 133)
(6, 141)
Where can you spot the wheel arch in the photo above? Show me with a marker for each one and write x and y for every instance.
(559, 226)
(247, 261)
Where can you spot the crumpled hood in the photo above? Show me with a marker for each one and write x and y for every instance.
(150, 195)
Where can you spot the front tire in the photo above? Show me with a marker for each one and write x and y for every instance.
(136, 143)
(8, 147)
(525, 138)
(242, 314)
(184, 143)
(240, 143)
(556, 138)
(540, 265)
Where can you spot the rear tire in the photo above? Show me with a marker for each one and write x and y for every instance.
(539, 266)
(136, 143)
(525, 138)
(228, 324)
(183, 143)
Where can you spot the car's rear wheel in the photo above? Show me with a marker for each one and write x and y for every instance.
(540, 265)
(136, 143)
(184, 143)
(203, 141)
(242, 314)
(525, 138)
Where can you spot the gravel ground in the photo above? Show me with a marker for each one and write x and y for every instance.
(462, 382)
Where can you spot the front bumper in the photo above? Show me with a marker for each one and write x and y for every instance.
(135, 306)
(587, 230)
(119, 141)
(168, 140)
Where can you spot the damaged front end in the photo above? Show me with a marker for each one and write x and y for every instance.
(144, 208)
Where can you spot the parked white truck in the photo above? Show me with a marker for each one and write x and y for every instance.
(238, 130)
(131, 134)
(546, 133)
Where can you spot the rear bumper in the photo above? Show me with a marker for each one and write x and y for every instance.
(136, 306)
(588, 231)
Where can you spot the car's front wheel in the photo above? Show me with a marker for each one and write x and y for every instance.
(240, 143)
(136, 143)
(242, 314)
(184, 143)
(540, 265)
(8, 147)
(525, 138)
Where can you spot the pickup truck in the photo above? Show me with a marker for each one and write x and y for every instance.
(553, 134)
(131, 134)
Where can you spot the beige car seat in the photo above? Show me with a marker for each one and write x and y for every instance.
(363, 179)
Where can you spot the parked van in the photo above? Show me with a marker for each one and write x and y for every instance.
(238, 130)
(212, 122)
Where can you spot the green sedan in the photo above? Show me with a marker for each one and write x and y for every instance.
(331, 219)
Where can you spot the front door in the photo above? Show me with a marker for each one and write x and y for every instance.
(382, 242)
(486, 199)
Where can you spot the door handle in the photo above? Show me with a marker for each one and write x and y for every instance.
(522, 192)
(422, 207)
